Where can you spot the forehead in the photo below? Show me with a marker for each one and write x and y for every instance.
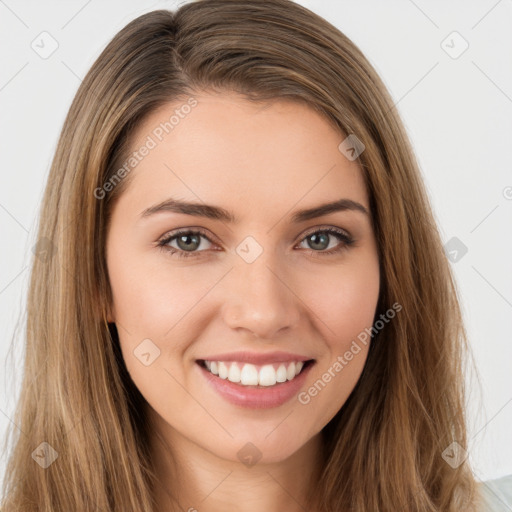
(224, 149)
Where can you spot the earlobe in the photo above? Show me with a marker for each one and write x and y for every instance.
(110, 315)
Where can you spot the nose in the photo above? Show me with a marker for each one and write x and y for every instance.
(259, 297)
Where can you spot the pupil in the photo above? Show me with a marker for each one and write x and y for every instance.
(324, 240)
(186, 246)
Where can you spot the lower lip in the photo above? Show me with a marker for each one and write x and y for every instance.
(256, 397)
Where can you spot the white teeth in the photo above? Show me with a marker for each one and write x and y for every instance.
(223, 371)
(267, 375)
(281, 373)
(251, 375)
(234, 374)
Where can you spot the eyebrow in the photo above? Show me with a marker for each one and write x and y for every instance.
(218, 213)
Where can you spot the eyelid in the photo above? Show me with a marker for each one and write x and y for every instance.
(325, 227)
(175, 232)
(165, 238)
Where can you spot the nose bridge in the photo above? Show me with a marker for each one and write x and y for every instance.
(258, 297)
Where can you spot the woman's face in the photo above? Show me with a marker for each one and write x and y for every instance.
(257, 287)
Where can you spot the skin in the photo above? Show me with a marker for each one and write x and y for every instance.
(262, 162)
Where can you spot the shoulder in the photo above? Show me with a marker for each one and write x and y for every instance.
(496, 495)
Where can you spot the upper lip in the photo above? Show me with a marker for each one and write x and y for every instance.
(257, 358)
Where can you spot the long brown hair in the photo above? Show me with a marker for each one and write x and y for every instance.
(383, 450)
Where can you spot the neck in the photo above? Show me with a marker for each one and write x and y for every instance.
(193, 479)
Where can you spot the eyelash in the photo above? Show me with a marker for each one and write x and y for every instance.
(344, 237)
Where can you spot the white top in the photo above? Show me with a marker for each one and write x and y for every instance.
(497, 494)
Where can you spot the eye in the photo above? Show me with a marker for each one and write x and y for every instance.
(189, 241)
(319, 240)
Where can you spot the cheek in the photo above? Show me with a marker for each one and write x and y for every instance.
(151, 318)
(344, 301)
(150, 309)
(150, 298)
(345, 310)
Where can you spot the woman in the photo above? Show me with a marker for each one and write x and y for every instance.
(246, 304)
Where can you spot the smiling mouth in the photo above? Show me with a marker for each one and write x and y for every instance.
(251, 375)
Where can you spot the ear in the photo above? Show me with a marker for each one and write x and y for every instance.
(110, 314)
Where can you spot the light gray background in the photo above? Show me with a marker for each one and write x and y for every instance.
(458, 112)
